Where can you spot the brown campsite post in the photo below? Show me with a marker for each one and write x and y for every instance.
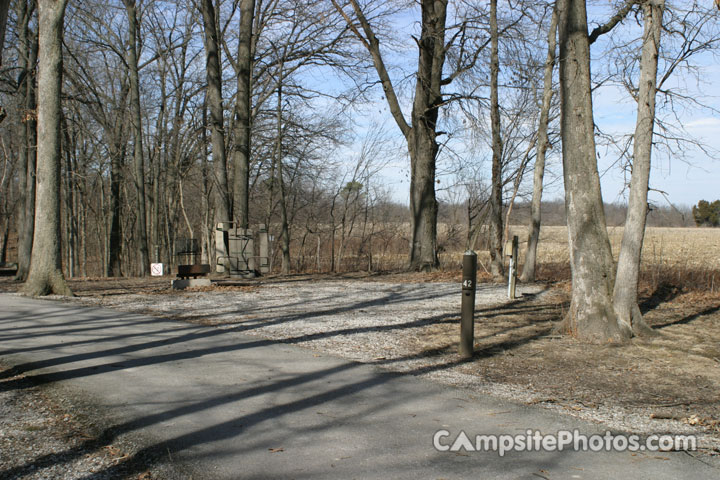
(467, 307)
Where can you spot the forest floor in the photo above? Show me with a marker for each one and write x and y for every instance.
(669, 383)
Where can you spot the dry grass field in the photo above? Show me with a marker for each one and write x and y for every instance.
(687, 258)
(671, 247)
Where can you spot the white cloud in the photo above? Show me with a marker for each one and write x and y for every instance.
(705, 124)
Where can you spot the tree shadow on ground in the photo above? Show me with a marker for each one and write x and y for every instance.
(688, 318)
(663, 293)
(172, 335)
(159, 450)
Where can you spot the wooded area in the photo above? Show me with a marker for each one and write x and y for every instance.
(128, 125)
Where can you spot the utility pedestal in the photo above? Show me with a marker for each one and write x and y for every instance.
(467, 307)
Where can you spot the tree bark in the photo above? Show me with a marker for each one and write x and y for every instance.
(117, 158)
(241, 150)
(157, 165)
(4, 242)
(628, 270)
(70, 197)
(423, 204)
(423, 139)
(284, 223)
(138, 160)
(26, 220)
(46, 275)
(591, 316)
(30, 151)
(497, 263)
(4, 7)
(528, 273)
(214, 100)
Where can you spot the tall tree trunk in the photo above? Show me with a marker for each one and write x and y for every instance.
(423, 204)
(4, 243)
(138, 159)
(101, 227)
(317, 254)
(83, 235)
(241, 151)
(69, 197)
(183, 210)
(156, 168)
(497, 264)
(421, 136)
(31, 154)
(28, 134)
(284, 224)
(208, 244)
(117, 156)
(591, 316)
(117, 147)
(333, 227)
(78, 210)
(46, 275)
(628, 270)
(4, 7)
(156, 163)
(221, 191)
(528, 273)
(6, 210)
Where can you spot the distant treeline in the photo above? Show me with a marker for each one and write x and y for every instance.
(553, 213)
(706, 214)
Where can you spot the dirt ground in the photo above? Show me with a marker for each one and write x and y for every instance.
(666, 384)
(47, 433)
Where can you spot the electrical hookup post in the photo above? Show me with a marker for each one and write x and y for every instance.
(467, 307)
(512, 252)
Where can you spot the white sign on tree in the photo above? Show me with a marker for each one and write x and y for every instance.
(156, 269)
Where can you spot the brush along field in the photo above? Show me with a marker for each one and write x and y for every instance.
(689, 257)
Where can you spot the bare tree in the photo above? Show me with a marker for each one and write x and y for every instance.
(28, 46)
(46, 275)
(278, 163)
(221, 191)
(496, 189)
(4, 7)
(528, 273)
(591, 315)
(243, 126)
(421, 134)
(95, 55)
(138, 155)
(628, 269)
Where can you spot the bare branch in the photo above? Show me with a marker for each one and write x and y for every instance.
(372, 44)
(613, 21)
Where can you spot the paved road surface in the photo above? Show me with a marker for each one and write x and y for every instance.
(226, 405)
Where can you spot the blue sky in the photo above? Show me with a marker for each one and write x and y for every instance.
(687, 176)
(685, 179)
